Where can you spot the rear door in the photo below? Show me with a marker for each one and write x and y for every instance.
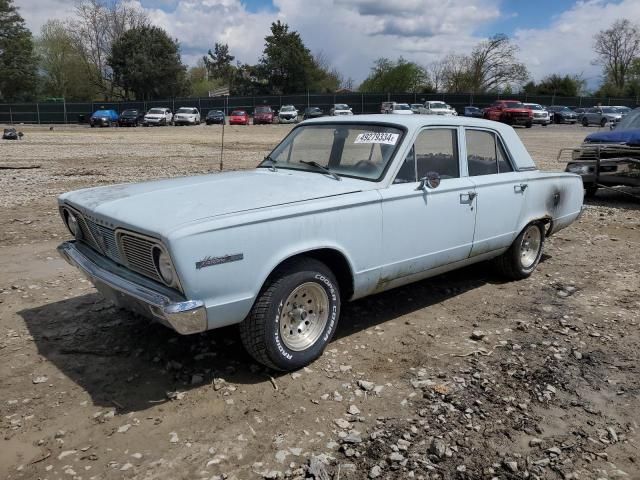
(499, 188)
(430, 227)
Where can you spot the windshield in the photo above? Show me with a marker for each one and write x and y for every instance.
(263, 109)
(103, 112)
(238, 113)
(438, 105)
(623, 110)
(129, 113)
(341, 106)
(402, 106)
(156, 111)
(351, 150)
(215, 112)
(186, 110)
(632, 120)
(472, 109)
(288, 108)
(534, 107)
(513, 105)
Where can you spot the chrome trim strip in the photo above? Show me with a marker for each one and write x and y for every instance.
(185, 317)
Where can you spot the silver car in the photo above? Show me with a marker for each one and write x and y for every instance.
(600, 116)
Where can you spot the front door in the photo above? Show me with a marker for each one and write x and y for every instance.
(500, 191)
(430, 227)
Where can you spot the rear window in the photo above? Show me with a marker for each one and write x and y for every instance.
(263, 109)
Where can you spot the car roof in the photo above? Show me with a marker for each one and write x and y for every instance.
(413, 123)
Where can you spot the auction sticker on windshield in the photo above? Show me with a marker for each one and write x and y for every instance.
(377, 137)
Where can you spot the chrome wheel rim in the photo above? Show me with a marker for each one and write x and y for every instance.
(530, 246)
(304, 316)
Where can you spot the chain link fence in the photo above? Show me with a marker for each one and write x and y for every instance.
(63, 112)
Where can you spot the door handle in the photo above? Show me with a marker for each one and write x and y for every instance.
(468, 197)
(520, 188)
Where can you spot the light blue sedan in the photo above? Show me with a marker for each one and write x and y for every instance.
(342, 208)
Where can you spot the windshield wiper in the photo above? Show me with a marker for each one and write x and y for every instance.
(321, 167)
(273, 163)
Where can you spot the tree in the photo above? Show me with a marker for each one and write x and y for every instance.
(563, 86)
(147, 63)
(616, 49)
(493, 65)
(218, 63)
(286, 63)
(200, 81)
(456, 74)
(17, 60)
(97, 26)
(61, 69)
(400, 76)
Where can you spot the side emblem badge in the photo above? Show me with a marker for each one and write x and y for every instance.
(211, 261)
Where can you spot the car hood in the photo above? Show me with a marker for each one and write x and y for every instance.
(630, 137)
(159, 207)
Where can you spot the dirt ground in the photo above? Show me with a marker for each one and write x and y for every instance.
(461, 376)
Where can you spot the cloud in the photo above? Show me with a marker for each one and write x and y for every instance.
(353, 33)
(566, 46)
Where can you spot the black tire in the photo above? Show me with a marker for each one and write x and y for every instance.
(590, 190)
(603, 122)
(510, 265)
(529, 125)
(585, 122)
(260, 331)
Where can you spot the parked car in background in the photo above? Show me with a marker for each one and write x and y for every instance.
(340, 109)
(600, 116)
(402, 109)
(386, 107)
(312, 112)
(214, 116)
(263, 114)
(511, 112)
(187, 116)
(562, 114)
(278, 249)
(104, 118)
(288, 114)
(436, 108)
(158, 117)
(415, 107)
(609, 158)
(622, 109)
(130, 118)
(473, 112)
(540, 114)
(239, 117)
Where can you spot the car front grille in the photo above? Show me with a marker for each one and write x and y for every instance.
(128, 249)
(138, 254)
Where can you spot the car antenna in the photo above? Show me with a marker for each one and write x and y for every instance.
(224, 121)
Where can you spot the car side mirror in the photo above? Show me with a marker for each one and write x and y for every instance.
(431, 180)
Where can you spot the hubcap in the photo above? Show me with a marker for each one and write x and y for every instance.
(304, 316)
(530, 246)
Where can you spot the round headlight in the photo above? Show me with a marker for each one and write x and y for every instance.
(72, 223)
(165, 267)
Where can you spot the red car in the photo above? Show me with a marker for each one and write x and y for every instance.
(239, 117)
(511, 112)
(262, 114)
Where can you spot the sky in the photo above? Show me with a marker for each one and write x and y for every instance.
(554, 36)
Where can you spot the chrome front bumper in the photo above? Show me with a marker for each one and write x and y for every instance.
(133, 292)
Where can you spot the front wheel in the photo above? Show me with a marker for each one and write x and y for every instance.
(523, 256)
(529, 125)
(590, 190)
(603, 122)
(585, 122)
(294, 316)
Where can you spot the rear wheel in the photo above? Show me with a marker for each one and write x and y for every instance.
(603, 122)
(585, 122)
(294, 316)
(523, 256)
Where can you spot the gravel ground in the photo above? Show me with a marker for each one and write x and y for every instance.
(458, 377)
